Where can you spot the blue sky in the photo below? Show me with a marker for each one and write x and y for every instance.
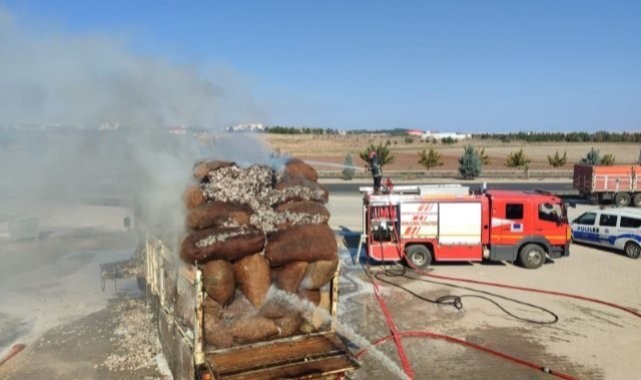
(466, 66)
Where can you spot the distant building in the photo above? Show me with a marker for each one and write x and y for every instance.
(109, 126)
(246, 128)
(179, 131)
(415, 132)
(442, 135)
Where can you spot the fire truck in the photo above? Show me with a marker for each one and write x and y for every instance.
(421, 224)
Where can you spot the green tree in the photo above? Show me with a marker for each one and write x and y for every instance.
(348, 170)
(469, 163)
(592, 158)
(430, 159)
(382, 151)
(517, 159)
(608, 159)
(556, 160)
(448, 140)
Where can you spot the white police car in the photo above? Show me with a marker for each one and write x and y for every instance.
(618, 228)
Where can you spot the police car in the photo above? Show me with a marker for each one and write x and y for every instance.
(618, 228)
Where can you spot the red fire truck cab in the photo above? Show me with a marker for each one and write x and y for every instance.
(447, 225)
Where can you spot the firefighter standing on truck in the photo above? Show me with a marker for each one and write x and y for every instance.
(377, 173)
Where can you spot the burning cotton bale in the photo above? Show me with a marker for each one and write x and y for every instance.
(302, 212)
(289, 277)
(253, 276)
(215, 332)
(319, 273)
(253, 330)
(218, 214)
(299, 189)
(219, 281)
(193, 196)
(307, 242)
(229, 244)
(304, 207)
(254, 229)
(250, 186)
(298, 168)
(202, 168)
(313, 296)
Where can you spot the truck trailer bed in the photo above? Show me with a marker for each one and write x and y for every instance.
(303, 357)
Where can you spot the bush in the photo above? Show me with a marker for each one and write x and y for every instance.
(592, 158)
(348, 170)
(430, 159)
(485, 159)
(469, 163)
(608, 159)
(517, 159)
(382, 151)
(556, 160)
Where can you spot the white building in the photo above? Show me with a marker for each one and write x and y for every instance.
(442, 135)
(246, 128)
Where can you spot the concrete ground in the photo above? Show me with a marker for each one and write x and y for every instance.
(588, 341)
(52, 301)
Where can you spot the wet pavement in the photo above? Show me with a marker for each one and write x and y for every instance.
(588, 341)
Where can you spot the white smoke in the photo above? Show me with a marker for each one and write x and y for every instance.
(59, 88)
(49, 77)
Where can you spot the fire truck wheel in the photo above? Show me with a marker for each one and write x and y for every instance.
(636, 200)
(532, 256)
(418, 256)
(632, 250)
(622, 199)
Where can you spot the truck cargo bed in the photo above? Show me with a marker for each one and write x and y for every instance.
(177, 292)
(589, 179)
(303, 357)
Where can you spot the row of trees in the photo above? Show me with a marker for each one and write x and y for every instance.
(596, 137)
(277, 129)
(472, 159)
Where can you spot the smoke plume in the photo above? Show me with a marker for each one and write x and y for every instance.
(82, 118)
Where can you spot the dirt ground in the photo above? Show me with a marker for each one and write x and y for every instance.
(52, 301)
(328, 152)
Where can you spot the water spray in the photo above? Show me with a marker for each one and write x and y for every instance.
(308, 310)
(331, 164)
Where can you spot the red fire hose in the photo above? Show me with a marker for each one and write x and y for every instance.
(396, 335)
(15, 350)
